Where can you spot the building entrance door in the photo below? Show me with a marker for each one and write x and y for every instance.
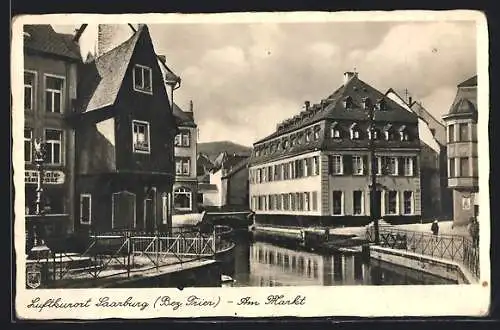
(124, 210)
(149, 215)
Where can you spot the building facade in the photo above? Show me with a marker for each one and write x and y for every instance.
(237, 185)
(315, 168)
(436, 201)
(185, 190)
(461, 125)
(50, 87)
(124, 136)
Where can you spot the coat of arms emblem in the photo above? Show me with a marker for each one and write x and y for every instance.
(33, 276)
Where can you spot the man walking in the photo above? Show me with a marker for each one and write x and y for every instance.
(474, 231)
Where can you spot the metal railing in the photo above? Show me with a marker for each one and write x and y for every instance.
(450, 247)
(121, 254)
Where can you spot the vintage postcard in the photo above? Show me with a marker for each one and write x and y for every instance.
(251, 165)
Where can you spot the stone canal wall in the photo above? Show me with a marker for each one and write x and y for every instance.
(439, 267)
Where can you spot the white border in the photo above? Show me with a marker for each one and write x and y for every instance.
(443, 300)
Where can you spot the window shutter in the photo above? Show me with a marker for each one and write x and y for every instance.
(401, 165)
(415, 166)
(347, 160)
(330, 164)
(366, 165)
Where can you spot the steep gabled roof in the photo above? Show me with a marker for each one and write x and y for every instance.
(183, 118)
(103, 77)
(356, 92)
(43, 38)
(471, 82)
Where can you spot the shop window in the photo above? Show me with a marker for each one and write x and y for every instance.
(182, 199)
(143, 79)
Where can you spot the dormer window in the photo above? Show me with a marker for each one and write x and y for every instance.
(367, 103)
(334, 131)
(381, 105)
(375, 133)
(308, 136)
(348, 103)
(292, 141)
(354, 131)
(403, 133)
(143, 79)
(388, 132)
(284, 143)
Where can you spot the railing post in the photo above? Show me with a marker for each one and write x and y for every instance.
(127, 236)
(157, 247)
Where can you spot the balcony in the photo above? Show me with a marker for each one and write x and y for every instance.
(463, 182)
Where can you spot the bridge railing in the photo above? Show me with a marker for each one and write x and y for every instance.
(124, 253)
(450, 247)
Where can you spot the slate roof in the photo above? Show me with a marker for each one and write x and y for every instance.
(471, 82)
(103, 77)
(43, 38)
(183, 118)
(227, 161)
(238, 166)
(333, 108)
(463, 106)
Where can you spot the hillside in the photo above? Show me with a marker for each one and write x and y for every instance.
(212, 149)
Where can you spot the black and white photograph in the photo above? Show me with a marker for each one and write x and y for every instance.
(250, 164)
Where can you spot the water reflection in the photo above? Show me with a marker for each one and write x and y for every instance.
(265, 264)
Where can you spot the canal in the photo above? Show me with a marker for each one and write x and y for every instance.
(266, 264)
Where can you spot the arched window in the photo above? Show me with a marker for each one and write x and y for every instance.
(403, 133)
(334, 131)
(183, 199)
(389, 132)
(354, 131)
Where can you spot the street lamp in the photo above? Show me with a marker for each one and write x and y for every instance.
(40, 249)
(373, 173)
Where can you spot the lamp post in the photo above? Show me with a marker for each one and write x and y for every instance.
(373, 174)
(40, 249)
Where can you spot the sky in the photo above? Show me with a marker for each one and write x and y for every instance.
(246, 78)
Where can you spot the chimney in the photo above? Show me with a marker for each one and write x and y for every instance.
(307, 104)
(349, 75)
(162, 58)
(410, 100)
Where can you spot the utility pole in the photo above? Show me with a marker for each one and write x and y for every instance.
(373, 189)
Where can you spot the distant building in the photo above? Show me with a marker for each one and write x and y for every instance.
(125, 133)
(50, 81)
(186, 183)
(203, 168)
(436, 197)
(314, 169)
(226, 169)
(237, 186)
(461, 123)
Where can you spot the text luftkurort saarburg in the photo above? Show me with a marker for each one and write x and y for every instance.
(161, 302)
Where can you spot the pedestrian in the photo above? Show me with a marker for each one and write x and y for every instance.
(435, 227)
(474, 231)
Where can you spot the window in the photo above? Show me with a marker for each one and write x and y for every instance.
(183, 199)
(140, 136)
(357, 202)
(314, 200)
(307, 201)
(408, 202)
(182, 166)
(29, 90)
(378, 165)
(357, 165)
(336, 164)
(393, 166)
(337, 202)
(316, 133)
(183, 139)
(452, 172)
(464, 167)
(286, 202)
(451, 133)
(403, 133)
(354, 132)
(308, 136)
(85, 209)
(408, 166)
(28, 144)
(279, 200)
(53, 94)
(463, 130)
(315, 165)
(392, 202)
(292, 202)
(53, 140)
(388, 131)
(142, 79)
